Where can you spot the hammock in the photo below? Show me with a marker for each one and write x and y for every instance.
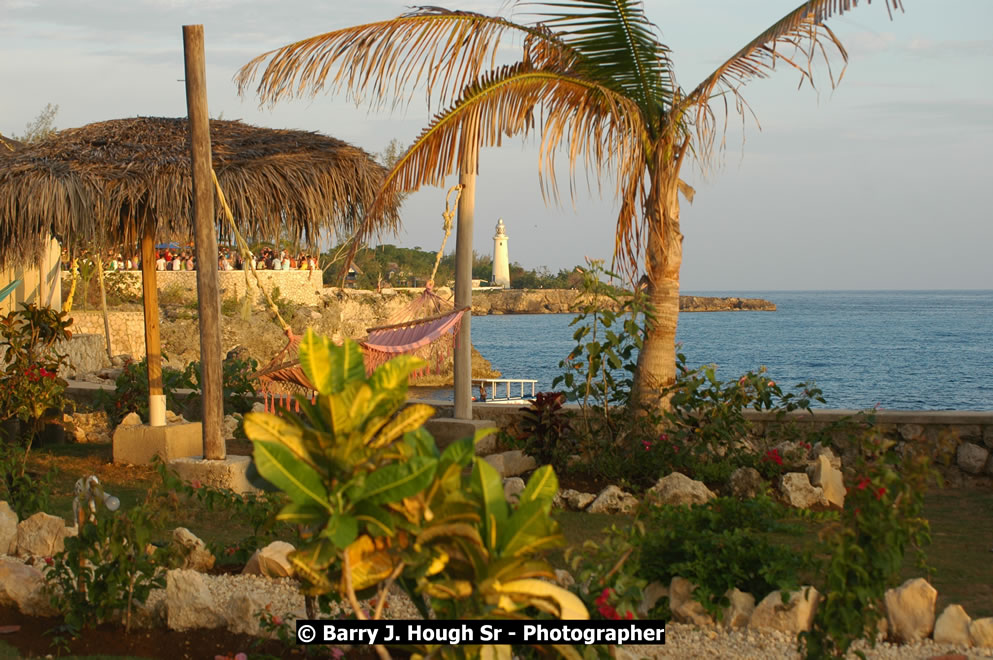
(426, 327)
(408, 333)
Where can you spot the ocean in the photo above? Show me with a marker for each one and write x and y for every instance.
(900, 350)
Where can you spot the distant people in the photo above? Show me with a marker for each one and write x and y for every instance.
(286, 261)
(160, 263)
(177, 263)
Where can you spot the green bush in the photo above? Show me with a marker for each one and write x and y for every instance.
(239, 387)
(131, 391)
(721, 545)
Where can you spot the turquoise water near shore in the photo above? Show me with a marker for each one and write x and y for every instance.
(902, 350)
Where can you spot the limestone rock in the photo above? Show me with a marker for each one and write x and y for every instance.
(952, 627)
(823, 450)
(747, 483)
(194, 551)
(573, 500)
(794, 616)
(910, 610)
(682, 605)
(173, 418)
(243, 612)
(511, 463)
(152, 613)
(131, 419)
(798, 492)
(971, 457)
(273, 561)
(650, 596)
(911, 431)
(229, 426)
(564, 578)
(677, 489)
(252, 565)
(512, 489)
(981, 633)
(8, 529)
(739, 612)
(23, 587)
(41, 535)
(189, 603)
(830, 480)
(258, 407)
(613, 500)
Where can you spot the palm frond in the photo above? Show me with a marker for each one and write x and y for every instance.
(618, 46)
(796, 40)
(601, 128)
(442, 49)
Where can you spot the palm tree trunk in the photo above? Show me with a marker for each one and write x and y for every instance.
(663, 260)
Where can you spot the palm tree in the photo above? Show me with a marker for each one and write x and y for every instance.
(592, 76)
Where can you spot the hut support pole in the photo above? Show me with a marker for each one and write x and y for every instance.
(463, 271)
(205, 234)
(153, 350)
(103, 306)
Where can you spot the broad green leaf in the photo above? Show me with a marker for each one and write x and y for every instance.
(518, 568)
(478, 436)
(341, 529)
(543, 485)
(312, 413)
(377, 521)
(370, 560)
(487, 486)
(266, 427)
(410, 418)
(303, 514)
(459, 452)
(394, 482)
(315, 359)
(395, 374)
(316, 555)
(529, 529)
(464, 530)
(288, 473)
(569, 607)
(421, 443)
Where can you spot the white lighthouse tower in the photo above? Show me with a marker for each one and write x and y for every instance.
(501, 259)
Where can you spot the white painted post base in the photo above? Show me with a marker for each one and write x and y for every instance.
(156, 410)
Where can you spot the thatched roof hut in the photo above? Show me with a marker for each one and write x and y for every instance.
(101, 183)
(8, 145)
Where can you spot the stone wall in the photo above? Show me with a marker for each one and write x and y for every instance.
(127, 330)
(86, 352)
(303, 287)
(960, 442)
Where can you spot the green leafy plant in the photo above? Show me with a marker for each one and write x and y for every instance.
(31, 390)
(382, 505)
(883, 518)
(108, 567)
(26, 492)
(722, 545)
(239, 388)
(131, 391)
(545, 429)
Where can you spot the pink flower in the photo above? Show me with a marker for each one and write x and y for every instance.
(241, 656)
(771, 383)
(880, 492)
(865, 481)
(277, 620)
(337, 653)
(196, 484)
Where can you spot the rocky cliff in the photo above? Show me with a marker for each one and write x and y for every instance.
(564, 301)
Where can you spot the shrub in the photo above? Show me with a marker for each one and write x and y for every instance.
(27, 493)
(239, 387)
(131, 391)
(382, 505)
(545, 430)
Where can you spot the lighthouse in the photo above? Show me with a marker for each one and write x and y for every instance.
(501, 260)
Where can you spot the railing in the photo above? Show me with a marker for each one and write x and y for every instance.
(492, 397)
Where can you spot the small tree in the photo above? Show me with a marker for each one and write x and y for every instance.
(41, 126)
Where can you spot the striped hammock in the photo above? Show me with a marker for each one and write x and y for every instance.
(426, 327)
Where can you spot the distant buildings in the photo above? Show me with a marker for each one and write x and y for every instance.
(501, 258)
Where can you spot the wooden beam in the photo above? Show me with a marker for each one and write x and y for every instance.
(153, 350)
(463, 270)
(205, 242)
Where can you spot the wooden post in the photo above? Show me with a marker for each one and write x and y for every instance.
(103, 307)
(153, 350)
(463, 270)
(205, 243)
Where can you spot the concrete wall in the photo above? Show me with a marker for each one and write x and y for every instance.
(127, 330)
(303, 287)
(959, 442)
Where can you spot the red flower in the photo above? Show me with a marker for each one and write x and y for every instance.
(647, 444)
(195, 484)
(277, 620)
(880, 492)
(865, 481)
(772, 456)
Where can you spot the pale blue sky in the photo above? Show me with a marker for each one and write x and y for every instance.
(881, 183)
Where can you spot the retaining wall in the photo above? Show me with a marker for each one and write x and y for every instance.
(127, 331)
(303, 287)
(960, 442)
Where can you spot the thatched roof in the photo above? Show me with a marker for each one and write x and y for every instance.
(8, 145)
(100, 184)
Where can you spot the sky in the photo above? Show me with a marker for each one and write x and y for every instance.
(881, 183)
